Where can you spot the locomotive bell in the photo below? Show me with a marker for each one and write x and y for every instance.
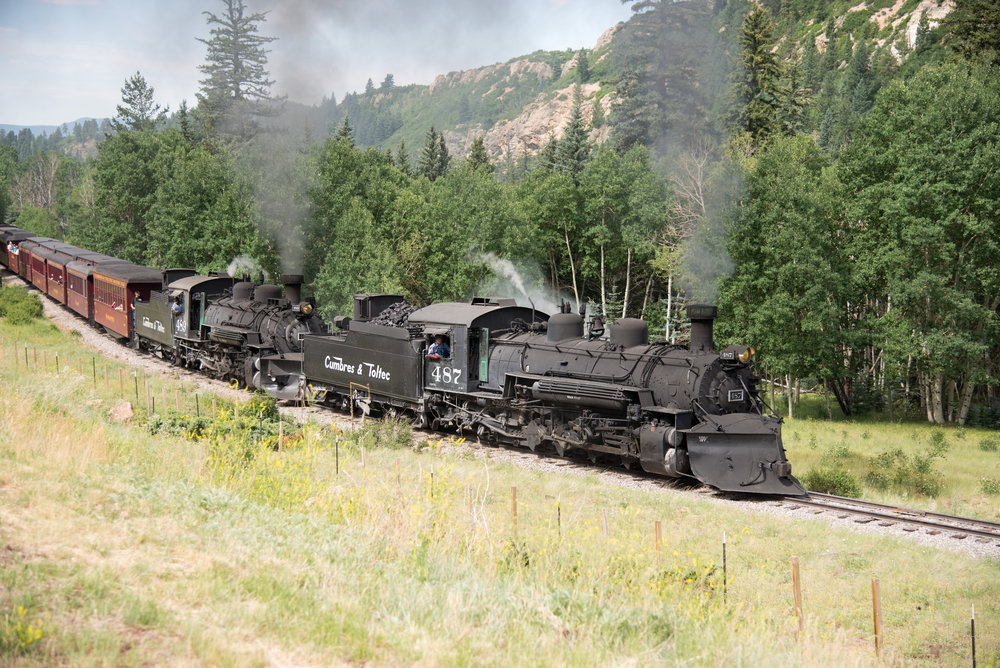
(702, 316)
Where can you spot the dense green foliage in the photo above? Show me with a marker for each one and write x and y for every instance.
(18, 305)
(831, 181)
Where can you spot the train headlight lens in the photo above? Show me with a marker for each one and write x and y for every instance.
(745, 355)
(307, 308)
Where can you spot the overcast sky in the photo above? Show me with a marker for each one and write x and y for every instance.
(65, 59)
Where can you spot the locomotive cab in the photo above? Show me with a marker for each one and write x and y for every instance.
(467, 328)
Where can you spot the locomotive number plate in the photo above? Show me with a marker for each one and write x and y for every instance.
(735, 396)
(446, 374)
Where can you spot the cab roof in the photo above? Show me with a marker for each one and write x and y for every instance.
(492, 314)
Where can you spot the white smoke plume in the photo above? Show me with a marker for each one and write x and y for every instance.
(244, 265)
(523, 283)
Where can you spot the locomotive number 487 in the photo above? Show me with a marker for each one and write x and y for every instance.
(446, 374)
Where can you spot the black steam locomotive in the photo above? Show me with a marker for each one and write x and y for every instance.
(518, 376)
(225, 327)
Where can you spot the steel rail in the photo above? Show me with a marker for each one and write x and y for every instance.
(958, 527)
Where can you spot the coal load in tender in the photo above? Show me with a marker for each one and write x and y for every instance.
(397, 315)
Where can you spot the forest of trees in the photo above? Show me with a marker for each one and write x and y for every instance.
(836, 193)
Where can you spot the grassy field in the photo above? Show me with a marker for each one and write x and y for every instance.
(945, 469)
(203, 543)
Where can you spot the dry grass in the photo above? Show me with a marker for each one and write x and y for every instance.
(139, 549)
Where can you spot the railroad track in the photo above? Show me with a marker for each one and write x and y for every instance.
(908, 519)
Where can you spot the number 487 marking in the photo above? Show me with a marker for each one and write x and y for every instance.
(446, 374)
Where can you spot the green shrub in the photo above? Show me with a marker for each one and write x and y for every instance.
(894, 469)
(990, 486)
(832, 481)
(19, 306)
(991, 444)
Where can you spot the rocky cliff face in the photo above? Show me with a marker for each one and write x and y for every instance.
(544, 118)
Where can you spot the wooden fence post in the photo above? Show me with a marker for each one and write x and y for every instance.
(725, 576)
(797, 593)
(513, 508)
(877, 616)
(973, 623)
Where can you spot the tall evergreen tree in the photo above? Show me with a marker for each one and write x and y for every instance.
(443, 158)
(582, 67)
(184, 122)
(573, 148)
(403, 159)
(345, 132)
(369, 86)
(666, 81)
(429, 156)
(388, 83)
(236, 86)
(759, 91)
(478, 158)
(137, 111)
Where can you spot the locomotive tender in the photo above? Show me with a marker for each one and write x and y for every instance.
(514, 375)
(518, 376)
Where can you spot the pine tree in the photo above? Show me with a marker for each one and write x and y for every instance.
(794, 103)
(236, 87)
(403, 159)
(478, 158)
(443, 158)
(922, 40)
(572, 151)
(582, 67)
(388, 83)
(547, 156)
(345, 132)
(826, 130)
(974, 30)
(138, 111)
(429, 157)
(758, 90)
(184, 121)
(369, 86)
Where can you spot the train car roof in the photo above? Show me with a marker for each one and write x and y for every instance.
(199, 283)
(44, 253)
(128, 272)
(490, 315)
(36, 240)
(11, 233)
(56, 256)
(96, 258)
(87, 267)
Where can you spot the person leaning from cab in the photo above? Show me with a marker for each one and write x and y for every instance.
(439, 348)
(177, 308)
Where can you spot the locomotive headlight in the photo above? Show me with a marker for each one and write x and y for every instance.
(744, 356)
(307, 308)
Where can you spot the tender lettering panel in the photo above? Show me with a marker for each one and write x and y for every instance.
(386, 366)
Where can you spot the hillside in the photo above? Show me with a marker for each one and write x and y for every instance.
(522, 103)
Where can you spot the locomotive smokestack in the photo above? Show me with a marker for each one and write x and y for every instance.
(293, 287)
(701, 316)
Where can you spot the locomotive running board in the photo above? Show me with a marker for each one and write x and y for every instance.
(741, 453)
